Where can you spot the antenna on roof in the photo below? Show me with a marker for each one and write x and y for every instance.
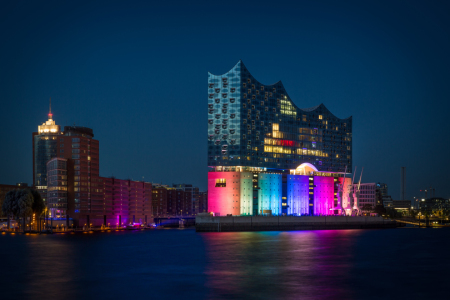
(50, 110)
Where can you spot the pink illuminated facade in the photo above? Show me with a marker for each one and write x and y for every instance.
(224, 193)
(323, 195)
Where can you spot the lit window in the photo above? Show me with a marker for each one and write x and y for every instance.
(275, 127)
(320, 117)
(221, 182)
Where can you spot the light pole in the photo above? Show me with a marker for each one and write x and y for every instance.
(419, 219)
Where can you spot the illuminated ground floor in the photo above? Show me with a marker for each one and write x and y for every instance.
(256, 191)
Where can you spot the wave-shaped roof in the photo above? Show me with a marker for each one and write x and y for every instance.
(279, 84)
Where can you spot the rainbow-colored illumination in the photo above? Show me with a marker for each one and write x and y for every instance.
(323, 195)
(297, 194)
(224, 193)
(246, 187)
(269, 193)
(235, 193)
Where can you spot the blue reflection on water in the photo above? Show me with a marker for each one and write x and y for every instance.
(167, 264)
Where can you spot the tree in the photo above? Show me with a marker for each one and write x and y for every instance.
(24, 200)
(367, 207)
(392, 213)
(22, 204)
(38, 205)
(412, 213)
(379, 209)
(9, 207)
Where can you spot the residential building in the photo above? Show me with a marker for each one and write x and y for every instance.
(45, 147)
(179, 200)
(70, 160)
(381, 191)
(367, 195)
(191, 193)
(203, 202)
(434, 203)
(58, 189)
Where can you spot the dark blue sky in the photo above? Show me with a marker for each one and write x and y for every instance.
(136, 72)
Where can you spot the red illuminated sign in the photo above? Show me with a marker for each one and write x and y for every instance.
(285, 143)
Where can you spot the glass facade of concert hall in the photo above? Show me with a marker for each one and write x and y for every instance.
(261, 146)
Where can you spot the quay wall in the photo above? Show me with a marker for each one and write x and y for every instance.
(208, 223)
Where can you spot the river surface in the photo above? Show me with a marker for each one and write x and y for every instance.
(403, 263)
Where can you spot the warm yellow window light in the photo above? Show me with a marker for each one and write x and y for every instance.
(275, 127)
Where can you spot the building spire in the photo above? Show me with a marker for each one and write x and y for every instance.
(50, 115)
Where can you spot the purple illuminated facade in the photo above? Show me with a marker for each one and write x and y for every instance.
(269, 157)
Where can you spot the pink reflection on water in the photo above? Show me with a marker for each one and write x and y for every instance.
(280, 265)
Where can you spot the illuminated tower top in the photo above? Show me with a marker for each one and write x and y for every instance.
(49, 126)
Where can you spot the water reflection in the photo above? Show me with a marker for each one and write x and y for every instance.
(173, 264)
(287, 265)
(49, 263)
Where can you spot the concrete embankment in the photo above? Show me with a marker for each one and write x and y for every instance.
(208, 223)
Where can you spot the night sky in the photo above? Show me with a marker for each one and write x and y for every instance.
(136, 72)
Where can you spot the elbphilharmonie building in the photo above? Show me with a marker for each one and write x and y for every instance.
(268, 156)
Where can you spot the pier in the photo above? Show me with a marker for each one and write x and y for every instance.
(209, 223)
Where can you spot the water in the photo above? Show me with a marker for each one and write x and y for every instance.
(182, 264)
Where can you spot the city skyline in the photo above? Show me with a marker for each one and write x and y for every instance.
(142, 90)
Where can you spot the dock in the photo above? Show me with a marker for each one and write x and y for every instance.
(209, 223)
